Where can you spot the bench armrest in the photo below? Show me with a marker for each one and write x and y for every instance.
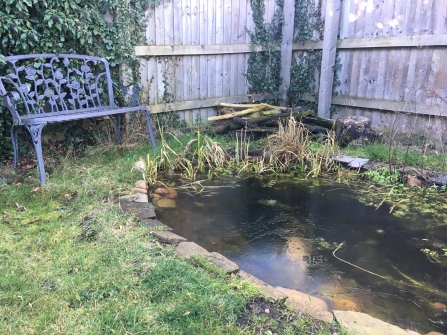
(10, 98)
(132, 90)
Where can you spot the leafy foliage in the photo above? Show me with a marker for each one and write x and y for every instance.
(306, 65)
(263, 73)
(109, 29)
(303, 76)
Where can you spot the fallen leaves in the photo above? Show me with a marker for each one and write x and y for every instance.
(35, 189)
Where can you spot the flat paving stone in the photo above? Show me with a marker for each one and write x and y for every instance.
(188, 249)
(156, 225)
(143, 210)
(222, 262)
(364, 324)
(168, 237)
(351, 161)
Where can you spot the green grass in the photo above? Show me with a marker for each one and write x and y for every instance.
(380, 152)
(73, 264)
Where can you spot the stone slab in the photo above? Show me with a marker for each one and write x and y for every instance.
(306, 304)
(138, 197)
(266, 289)
(154, 224)
(351, 161)
(168, 237)
(358, 162)
(222, 262)
(188, 249)
(440, 179)
(364, 324)
(143, 210)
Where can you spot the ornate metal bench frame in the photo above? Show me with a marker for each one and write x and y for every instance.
(46, 88)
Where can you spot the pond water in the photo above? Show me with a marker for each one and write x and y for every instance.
(285, 231)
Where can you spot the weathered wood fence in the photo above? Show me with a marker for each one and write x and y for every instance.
(393, 57)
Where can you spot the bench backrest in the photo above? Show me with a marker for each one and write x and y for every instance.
(56, 83)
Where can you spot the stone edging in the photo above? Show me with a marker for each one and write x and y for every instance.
(354, 322)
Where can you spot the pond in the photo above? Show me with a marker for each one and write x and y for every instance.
(285, 231)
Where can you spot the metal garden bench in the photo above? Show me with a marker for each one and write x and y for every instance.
(48, 88)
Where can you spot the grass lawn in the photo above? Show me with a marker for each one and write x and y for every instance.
(73, 264)
(398, 155)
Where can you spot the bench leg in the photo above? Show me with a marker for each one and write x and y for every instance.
(15, 145)
(116, 119)
(149, 125)
(36, 131)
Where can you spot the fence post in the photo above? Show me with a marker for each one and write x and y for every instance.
(286, 47)
(332, 18)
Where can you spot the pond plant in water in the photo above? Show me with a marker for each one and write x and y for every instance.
(290, 150)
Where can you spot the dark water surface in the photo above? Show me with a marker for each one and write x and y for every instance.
(284, 233)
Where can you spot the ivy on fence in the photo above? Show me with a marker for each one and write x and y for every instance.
(264, 67)
(106, 28)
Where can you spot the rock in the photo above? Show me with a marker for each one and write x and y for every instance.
(266, 289)
(350, 128)
(154, 196)
(188, 249)
(141, 184)
(199, 204)
(222, 262)
(439, 305)
(143, 210)
(139, 190)
(134, 198)
(360, 323)
(345, 305)
(168, 237)
(139, 166)
(172, 194)
(434, 333)
(304, 303)
(155, 224)
(304, 297)
(413, 181)
(161, 191)
(166, 203)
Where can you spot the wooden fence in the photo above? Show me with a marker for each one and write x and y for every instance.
(199, 51)
(392, 53)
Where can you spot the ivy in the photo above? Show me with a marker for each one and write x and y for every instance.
(306, 65)
(303, 77)
(307, 20)
(264, 67)
(106, 28)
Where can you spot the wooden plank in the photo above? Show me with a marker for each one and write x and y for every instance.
(204, 49)
(386, 105)
(286, 47)
(328, 58)
(197, 104)
(169, 23)
(203, 81)
(234, 59)
(211, 40)
(381, 42)
(219, 33)
(355, 43)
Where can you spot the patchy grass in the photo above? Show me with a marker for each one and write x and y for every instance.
(73, 264)
(398, 155)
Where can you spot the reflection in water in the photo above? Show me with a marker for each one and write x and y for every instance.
(285, 235)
